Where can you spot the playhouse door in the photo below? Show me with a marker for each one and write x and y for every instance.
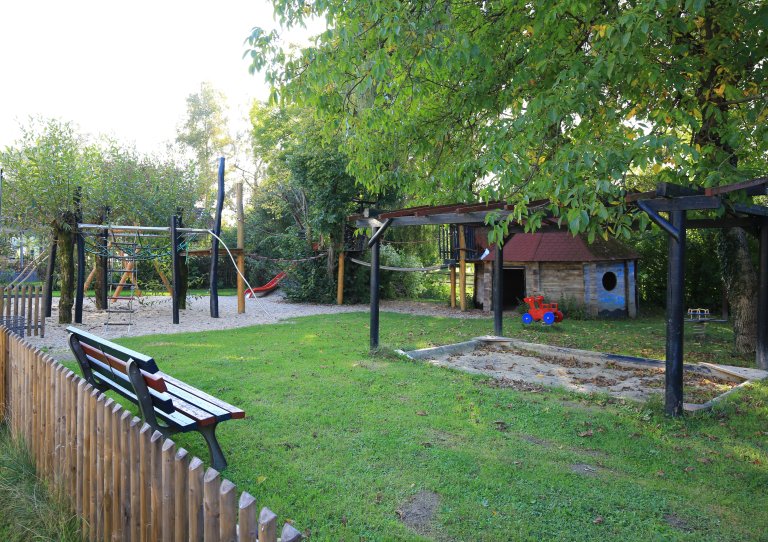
(610, 285)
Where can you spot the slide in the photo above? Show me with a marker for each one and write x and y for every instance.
(268, 288)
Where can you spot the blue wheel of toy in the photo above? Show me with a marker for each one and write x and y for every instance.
(527, 318)
(548, 318)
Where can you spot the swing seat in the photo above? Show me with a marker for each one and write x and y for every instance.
(268, 288)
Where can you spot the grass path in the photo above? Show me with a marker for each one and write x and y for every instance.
(342, 442)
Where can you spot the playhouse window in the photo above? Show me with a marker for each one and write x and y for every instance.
(609, 281)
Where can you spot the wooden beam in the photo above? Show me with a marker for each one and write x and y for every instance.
(685, 203)
(340, 280)
(749, 209)
(755, 184)
(670, 190)
(703, 223)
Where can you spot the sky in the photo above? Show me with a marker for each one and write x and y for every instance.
(125, 68)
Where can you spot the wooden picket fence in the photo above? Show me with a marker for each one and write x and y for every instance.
(123, 479)
(22, 309)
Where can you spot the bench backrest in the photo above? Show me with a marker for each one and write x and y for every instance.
(107, 365)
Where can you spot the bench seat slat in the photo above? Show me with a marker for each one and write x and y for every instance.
(235, 412)
(153, 381)
(174, 419)
(202, 404)
(162, 401)
(202, 417)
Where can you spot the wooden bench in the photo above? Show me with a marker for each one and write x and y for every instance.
(166, 404)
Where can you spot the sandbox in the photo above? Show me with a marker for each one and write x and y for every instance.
(523, 365)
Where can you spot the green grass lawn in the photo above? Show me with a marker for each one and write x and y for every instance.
(339, 441)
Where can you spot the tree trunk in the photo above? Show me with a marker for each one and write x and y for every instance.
(65, 251)
(740, 279)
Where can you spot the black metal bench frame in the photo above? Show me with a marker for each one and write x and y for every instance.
(165, 403)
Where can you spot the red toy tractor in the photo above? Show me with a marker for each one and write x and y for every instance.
(548, 313)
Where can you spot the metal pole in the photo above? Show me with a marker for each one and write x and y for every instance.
(214, 275)
(49, 276)
(175, 268)
(498, 290)
(761, 354)
(241, 247)
(375, 294)
(673, 396)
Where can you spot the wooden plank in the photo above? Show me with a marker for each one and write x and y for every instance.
(290, 534)
(181, 501)
(126, 473)
(685, 203)
(134, 510)
(236, 412)
(156, 481)
(671, 190)
(145, 479)
(267, 525)
(79, 446)
(122, 475)
(211, 486)
(227, 512)
(98, 481)
(248, 524)
(195, 500)
(146, 363)
(91, 466)
(38, 295)
(169, 491)
(107, 480)
(748, 209)
(744, 185)
(153, 380)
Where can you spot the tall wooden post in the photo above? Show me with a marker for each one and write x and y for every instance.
(498, 291)
(241, 248)
(673, 396)
(375, 293)
(462, 270)
(49, 271)
(340, 279)
(214, 275)
(176, 275)
(761, 354)
(104, 291)
(80, 287)
(453, 286)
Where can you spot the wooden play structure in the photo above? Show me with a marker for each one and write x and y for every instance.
(120, 247)
(716, 207)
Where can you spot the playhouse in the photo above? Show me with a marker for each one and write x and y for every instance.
(563, 268)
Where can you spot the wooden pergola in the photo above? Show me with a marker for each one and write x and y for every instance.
(731, 205)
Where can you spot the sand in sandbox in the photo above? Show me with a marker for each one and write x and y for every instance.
(631, 381)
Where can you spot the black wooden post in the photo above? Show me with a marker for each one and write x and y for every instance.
(214, 278)
(375, 292)
(105, 268)
(80, 293)
(673, 397)
(761, 355)
(49, 276)
(175, 268)
(498, 290)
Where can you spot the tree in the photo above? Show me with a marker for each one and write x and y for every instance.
(206, 134)
(49, 175)
(556, 100)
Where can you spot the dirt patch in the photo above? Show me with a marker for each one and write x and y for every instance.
(584, 469)
(418, 511)
(536, 440)
(677, 522)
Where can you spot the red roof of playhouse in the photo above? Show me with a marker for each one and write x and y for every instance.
(557, 246)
